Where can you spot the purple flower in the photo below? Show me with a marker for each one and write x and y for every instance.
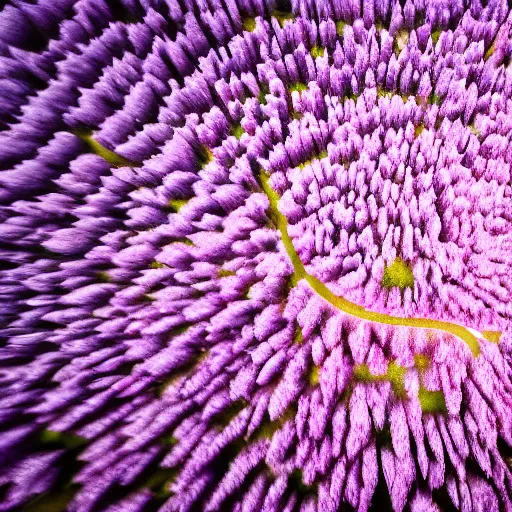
(256, 256)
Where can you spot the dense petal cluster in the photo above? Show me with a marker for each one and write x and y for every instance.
(256, 255)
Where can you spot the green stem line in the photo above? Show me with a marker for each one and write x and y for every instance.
(100, 150)
(340, 302)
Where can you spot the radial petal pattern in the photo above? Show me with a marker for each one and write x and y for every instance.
(256, 255)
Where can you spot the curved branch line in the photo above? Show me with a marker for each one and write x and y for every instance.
(341, 303)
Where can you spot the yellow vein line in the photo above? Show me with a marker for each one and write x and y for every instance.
(100, 150)
(340, 302)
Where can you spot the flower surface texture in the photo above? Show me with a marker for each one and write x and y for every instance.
(256, 256)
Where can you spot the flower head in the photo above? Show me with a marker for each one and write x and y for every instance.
(256, 255)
